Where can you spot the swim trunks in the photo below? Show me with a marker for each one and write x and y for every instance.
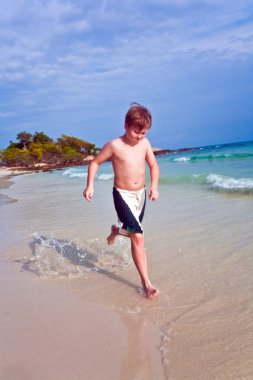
(130, 207)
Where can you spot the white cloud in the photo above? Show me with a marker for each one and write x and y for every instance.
(48, 37)
(64, 53)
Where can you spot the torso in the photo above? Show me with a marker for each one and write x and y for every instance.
(129, 164)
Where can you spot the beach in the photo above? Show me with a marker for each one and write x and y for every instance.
(73, 306)
(50, 331)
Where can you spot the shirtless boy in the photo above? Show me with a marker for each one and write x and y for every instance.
(129, 154)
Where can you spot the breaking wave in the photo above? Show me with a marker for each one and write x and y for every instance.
(181, 159)
(215, 181)
(105, 177)
(231, 184)
(77, 172)
(212, 157)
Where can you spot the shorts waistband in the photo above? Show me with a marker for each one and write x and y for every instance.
(130, 191)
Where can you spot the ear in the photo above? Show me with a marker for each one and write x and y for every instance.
(126, 126)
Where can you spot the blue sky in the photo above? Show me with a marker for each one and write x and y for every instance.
(74, 67)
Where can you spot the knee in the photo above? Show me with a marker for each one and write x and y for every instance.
(137, 238)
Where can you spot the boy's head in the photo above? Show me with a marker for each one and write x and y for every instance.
(138, 116)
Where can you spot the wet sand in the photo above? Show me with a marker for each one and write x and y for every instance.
(199, 248)
(48, 332)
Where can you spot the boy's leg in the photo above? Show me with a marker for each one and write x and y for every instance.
(140, 260)
(115, 231)
(139, 257)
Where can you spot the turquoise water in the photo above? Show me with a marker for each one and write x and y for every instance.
(224, 167)
(227, 167)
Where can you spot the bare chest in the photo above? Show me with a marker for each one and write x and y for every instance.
(129, 156)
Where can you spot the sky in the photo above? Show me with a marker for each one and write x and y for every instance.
(73, 67)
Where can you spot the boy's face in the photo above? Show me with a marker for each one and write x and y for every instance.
(134, 133)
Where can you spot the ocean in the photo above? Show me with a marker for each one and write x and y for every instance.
(199, 245)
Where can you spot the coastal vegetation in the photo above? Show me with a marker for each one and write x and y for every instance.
(38, 149)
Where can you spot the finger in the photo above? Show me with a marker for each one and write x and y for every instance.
(87, 196)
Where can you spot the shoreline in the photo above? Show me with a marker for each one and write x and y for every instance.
(18, 170)
(45, 167)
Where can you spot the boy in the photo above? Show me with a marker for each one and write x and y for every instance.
(128, 154)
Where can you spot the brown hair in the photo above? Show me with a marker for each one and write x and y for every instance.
(138, 116)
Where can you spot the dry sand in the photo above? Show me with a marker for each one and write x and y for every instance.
(11, 171)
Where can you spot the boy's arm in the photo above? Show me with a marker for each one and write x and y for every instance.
(154, 174)
(104, 154)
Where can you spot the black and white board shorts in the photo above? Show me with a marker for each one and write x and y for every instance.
(130, 207)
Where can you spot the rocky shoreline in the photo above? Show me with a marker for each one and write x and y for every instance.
(160, 152)
(38, 168)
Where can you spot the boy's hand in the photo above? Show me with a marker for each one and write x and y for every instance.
(88, 193)
(153, 194)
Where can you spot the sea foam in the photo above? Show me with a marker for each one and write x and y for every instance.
(54, 257)
(75, 172)
(182, 159)
(80, 173)
(228, 183)
(105, 177)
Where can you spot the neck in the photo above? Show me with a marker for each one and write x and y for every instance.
(126, 140)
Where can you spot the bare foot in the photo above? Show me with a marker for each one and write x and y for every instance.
(149, 291)
(114, 233)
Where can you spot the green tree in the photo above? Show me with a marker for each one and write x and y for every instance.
(71, 155)
(14, 145)
(37, 151)
(39, 147)
(9, 156)
(1, 155)
(51, 152)
(24, 138)
(79, 145)
(41, 137)
(17, 157)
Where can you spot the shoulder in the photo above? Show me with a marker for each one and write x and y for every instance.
(147, 144)
(110, 144)
(110, 147)
(114, 144)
